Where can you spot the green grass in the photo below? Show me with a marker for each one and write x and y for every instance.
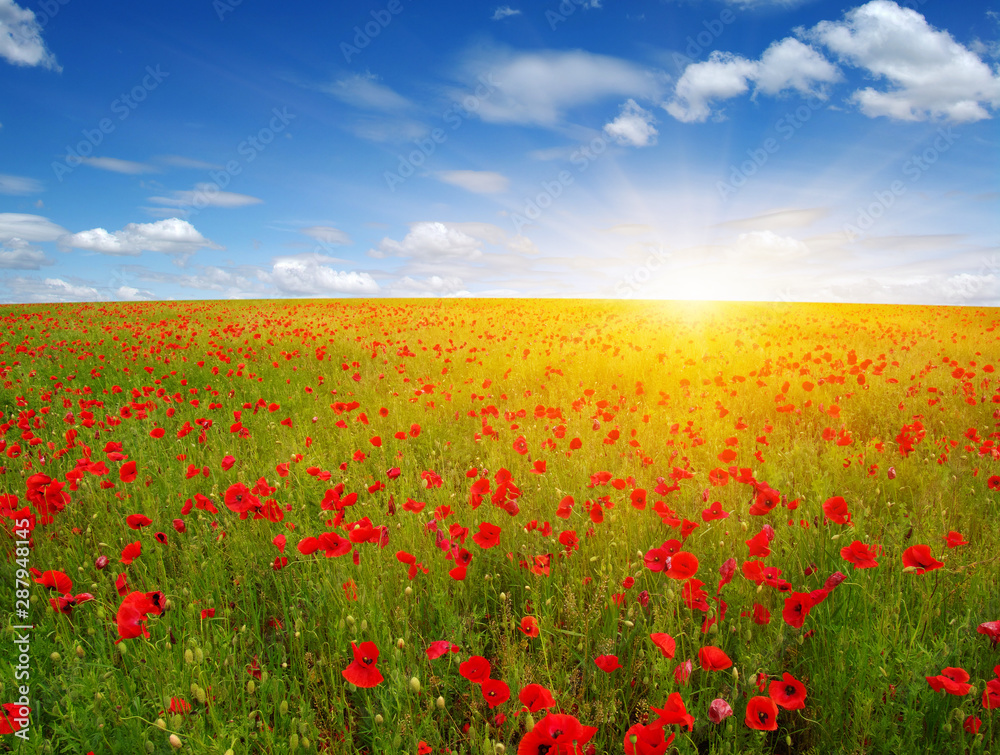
(863, 654)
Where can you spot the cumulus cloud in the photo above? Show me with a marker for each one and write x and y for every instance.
(18, 185)
(170, 236)
(476, 181)
(928, 72)
(18, 254)
(28, 227)
(21, 38)
(431, 241)
(311, 275)
(537, 88)
(206, 195)
(50, 290)
(787, 64)
(633, 126)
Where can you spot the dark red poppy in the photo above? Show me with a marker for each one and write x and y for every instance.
(101, 562)
(361, 672)
(683, 672)
(66, 603)
(762, 714)
(719, 710)
(789, 693)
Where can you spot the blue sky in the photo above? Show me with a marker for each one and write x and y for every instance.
(755, 150)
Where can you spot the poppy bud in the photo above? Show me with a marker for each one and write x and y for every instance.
(251, 686)
(364, 625)
(440, 703)
(400, 643)
(408, 591)
(283, 708)
(199, 656)
(80, 652)
(499, 749)
(175, 742)
(188, 656)
(160, 724)
(378, 718)
(101, 562)
(293, 743)
(529, 722)
(503, 597)
(55, 657)
(415, 685)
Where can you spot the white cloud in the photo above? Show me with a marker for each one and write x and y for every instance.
(18, 185)
(364, 91)
(929, 73)
(309, 275)
(179, 161)
(118, 166)
(504, 11)
(18, 254)
(721, 77)
(326, 234)
(789, 64)
(538, 87)
(786, 64)
(170, 236)
(206, 195)
(434, 285)
(50, 290)
(28, 227)
(21, 38)
(761, 246)
(634, 126)
(476, 181)
(431, 241)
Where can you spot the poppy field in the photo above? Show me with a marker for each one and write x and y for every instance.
(499, 526)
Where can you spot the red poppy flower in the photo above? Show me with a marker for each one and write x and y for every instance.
(439, 648)
(656, 559)
(991, 695)
(951, 680)
(919, 557)
(762, 714)
(683, 565)
(719, 710)
(797, 607)
(53, 580)
(994, 482)
(836, 510)
(607, 663)
(664, 643)
(789, 693)
(529, 625)
(972, 724)
(138, 521)
(713, 512)
(131, 616)
(992, 630)
(760, 614)
(954, 539)
(556, 734)
(521, 445)
(495, 692)
(646, 740)
(227, 463)
(758, 545)
(488, 535)
(713, 659)
(66, 603)
(12, 718)
(673, 712)
(861, 555)
(423, 748)
(101, 562)
(361, 672)
(131, 552)
(476, 669)
(208, 613)
(239, 499)
(535, 697)
(127, 472)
